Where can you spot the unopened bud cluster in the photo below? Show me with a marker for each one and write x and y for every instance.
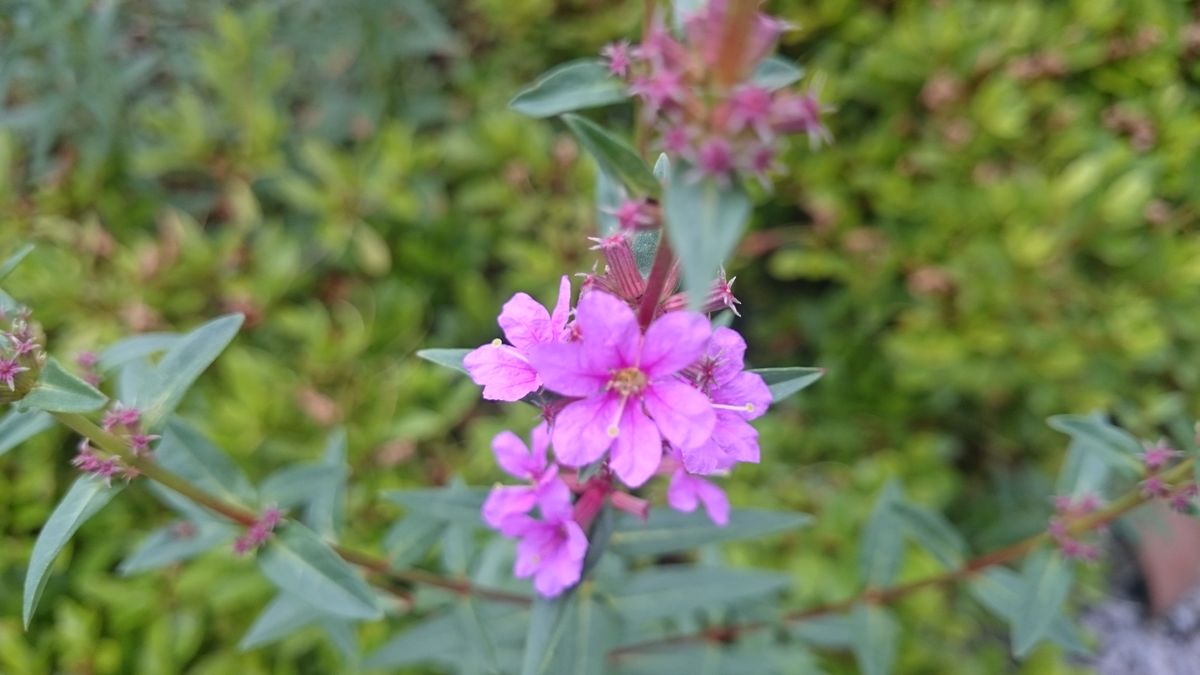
(21, 355)
(700, 93)
(124, 423)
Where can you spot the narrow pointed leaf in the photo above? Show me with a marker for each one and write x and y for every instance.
(187, 452)
(585, 83)
(10, 263)
(882, 539)
(410, 538)
(136, 347)
(934, 533)
(439, 639)
(662, 592)
(999, 589)
(613, 155)
(325, 512)
(704, 223)
(875, 636)
(667, 531)
(85, 498)
(1046, 581)
(783, 382)
(570, 635)
(448, 358)
(283, 616)
(59, 391)
(1114, 445)
(776, 72)
(172, 543)
(182, 365)
(298, 485)
(17, 426)
(298, 561)
(460, 505)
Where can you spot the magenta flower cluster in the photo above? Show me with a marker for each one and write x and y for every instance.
(125, 423)
(620, 405)
(20, 353)
(701, 94)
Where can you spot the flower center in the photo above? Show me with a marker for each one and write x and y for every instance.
(627, 381)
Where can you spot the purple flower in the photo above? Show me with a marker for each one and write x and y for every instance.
(737, 397)
(677, 140)
(750, 107)
(505, 503)
(550, 550)
(9, 370)
(258, 533)
(504, 369)
(706, 31)
(1156, 456)
(121, 416)
(686, 492)
(800, 113)
(660, 89)
(714, 159)
(659, 48)
(631, 396)
(634, 214)
(617, 57)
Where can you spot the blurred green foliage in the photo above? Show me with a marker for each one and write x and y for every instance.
(1003, 230)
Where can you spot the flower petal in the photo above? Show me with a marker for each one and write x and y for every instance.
(562, 308)
(684, 416)
(681, 493)
(564, 369)
(609, 330)
(637, 450)
(714, 500)
(541, 444)
(673, 342)
(503, 372)
(727, 350)
(744, 389)
(581, 429)
(525, 322)
(511, 454)
(506, 501)
(554, 500)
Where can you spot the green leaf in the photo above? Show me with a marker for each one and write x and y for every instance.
(882, 539)
(448, 358)
(613, 155)
(1116, 446)
(998, 589)
(570, 634)
(59, 391)
(585, 83)
(1046, 581)
(325, 513)
(172, 543)
(451, 504)
(135, 347)
(186, 451)
(875, 637)
(704, 223)
(662, 592)
(934, 533)
(294, 486)
(297, 561)
(440, 639)
(13, 260)
(668, 531)
(776, 72)
(783, 382)
(18, 426)
(410, 538)
(86, 497)
(182, 365)
(283, 616)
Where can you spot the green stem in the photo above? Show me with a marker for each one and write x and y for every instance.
(246, 517)
(883, 596)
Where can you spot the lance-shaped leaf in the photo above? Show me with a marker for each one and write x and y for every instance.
(667, 531)
(17, 426)
(451, 504)
(86, 497)
(662, 592)
(1116, 446)
(776, 72)
(136, 347)
(186, 451)
(576, 85)
(175, 543)
(875, 637)
(10, 263)
(613, 155)
(704, 223)
(568, 634)
(181, 366)
(882, 539)
(934, 533)
(783, 382)
(325, 512)
(59, 391)
(283, 616)
(299, 562)
(447, 358)
(410, 538)
(440, 639)
(1000, 589)
(1046, 581)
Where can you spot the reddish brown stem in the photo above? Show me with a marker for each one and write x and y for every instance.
(657, 282)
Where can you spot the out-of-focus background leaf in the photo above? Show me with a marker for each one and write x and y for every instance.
(1003, 230)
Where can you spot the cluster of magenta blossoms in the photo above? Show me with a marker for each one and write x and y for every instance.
(125, 423)
(21, 355)
(621, 403)
(700, 94)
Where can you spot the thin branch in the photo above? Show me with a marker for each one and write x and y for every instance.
(245, 517)
(883, 596)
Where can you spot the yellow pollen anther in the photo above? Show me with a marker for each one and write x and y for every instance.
(612, 432)
(749, 407)
(497, 342)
